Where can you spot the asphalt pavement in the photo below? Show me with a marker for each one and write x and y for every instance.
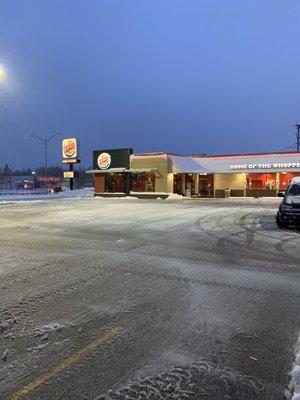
(147, 299)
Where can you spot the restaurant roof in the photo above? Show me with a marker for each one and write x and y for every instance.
(270, 162)
(187, 165)
(234, 163)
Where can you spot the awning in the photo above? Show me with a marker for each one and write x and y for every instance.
(105, 171)
(187, 165)
(121, 170)
(141, 170)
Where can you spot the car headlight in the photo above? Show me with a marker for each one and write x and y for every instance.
(286, 207)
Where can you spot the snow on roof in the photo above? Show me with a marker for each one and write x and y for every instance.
(187, 165)
(216, 156)
(153, 154)
(232, 163)
(243, 155)
(273, 162)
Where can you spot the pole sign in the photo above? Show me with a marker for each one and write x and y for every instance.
(70, 149)
(70, 153)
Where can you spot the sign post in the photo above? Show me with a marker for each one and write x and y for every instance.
(71, 179)
(70, 153)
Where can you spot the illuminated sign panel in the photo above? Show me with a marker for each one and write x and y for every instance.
(114, 158)
(104, 160)
(284, 165)
(49, 179)
(70, 161)
(70, 148)
(68, 174)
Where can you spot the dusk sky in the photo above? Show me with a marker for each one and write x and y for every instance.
(213, 76)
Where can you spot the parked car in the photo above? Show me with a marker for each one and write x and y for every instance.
(25, 184)
(289, 209)
(55, 189)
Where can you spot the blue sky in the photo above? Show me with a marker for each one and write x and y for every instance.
(161, 75)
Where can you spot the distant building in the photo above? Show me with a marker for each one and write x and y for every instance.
(17, 182)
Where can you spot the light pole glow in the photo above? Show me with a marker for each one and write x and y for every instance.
(2, 73)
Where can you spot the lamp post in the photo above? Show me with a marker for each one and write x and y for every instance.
(33, 175)
(45, 142)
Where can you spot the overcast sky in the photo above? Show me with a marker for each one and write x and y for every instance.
(209, 76)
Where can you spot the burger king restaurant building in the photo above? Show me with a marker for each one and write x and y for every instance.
(119, 172)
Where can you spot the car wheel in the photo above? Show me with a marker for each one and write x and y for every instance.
(279, 223)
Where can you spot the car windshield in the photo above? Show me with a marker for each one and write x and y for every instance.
(294, 190)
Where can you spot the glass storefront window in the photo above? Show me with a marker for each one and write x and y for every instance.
(144, 182)
(114, 183)
(177, 183)
(206, 185)
(285, 178)
(261, 181)
(190, 183)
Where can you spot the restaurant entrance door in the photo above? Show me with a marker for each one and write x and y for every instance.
(206, 185)
(114, 183)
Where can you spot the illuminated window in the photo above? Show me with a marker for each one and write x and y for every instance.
(285, 178)
(144, 182)
(114, 183)
(261, 181)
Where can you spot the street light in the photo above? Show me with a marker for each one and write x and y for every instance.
(45, 142)
(33, 175)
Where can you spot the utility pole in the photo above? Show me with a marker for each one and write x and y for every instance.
(298, 136)
(45, 142)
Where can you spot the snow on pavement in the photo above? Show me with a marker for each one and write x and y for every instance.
(293, 391)
(65, 194)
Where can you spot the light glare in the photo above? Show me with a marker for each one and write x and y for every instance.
(2, 73)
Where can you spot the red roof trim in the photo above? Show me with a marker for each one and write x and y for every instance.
(159, 153)
(244, 155)
(232, 155)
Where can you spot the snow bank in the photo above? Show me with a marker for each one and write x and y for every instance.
(296, 382)
(65, 194)
(116, 198)
(174, 196)
(294, 386)
(70, 194)
(296, 373)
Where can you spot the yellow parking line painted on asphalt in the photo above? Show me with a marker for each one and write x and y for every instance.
(66, 363)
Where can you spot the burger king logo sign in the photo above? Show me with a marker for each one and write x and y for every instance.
(69, 148)
(104, 160)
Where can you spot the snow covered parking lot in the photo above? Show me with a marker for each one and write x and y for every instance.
(29, 195)
(151, 299)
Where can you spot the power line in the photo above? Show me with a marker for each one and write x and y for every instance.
(298, 136)
(293, 146)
